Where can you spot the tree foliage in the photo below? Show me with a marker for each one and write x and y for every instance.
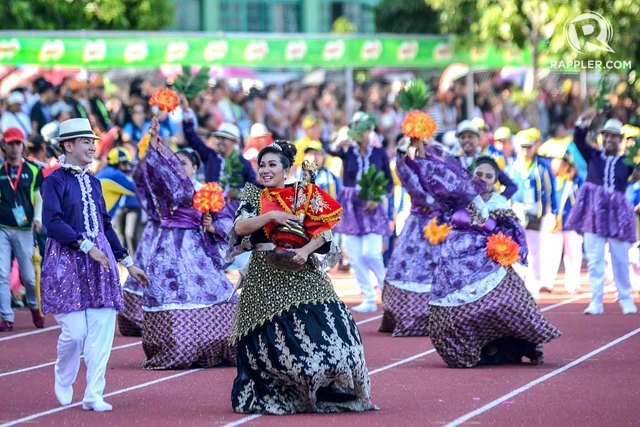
(406, 16)
(528, 21)
(86, 14)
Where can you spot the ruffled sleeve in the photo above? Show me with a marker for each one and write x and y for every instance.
(143, 191)
(450, 185)
(249, 208)
(411, 182)
(167, 179)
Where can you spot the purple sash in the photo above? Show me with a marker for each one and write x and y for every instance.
(182, 218)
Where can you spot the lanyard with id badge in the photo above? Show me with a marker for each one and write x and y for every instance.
(18, 211)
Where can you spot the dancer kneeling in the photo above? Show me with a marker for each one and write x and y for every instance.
(187, 315)
(480, 310)
(299, 349)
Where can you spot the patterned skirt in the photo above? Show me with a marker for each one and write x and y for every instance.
(309, 359)
(72, 281)
(473, 333)
(603, 213)
(406, 313)
(193, 338)
(131, 318)
(355, 221)
(140, 258)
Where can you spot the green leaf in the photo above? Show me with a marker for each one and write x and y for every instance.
(191, 86)
(413, 96)
(373, 185)
(232, 172)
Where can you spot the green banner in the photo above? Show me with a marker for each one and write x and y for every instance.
(153, 50)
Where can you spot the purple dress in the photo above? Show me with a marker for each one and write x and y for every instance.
(131, 318)
(481, 312)
(355, 221)
(410, 274)
(601, 207)
(71, 281)
(187, 317)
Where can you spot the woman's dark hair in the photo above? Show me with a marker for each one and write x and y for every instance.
(286, 150)
(192, 155)
(36, 144)
(488, 161)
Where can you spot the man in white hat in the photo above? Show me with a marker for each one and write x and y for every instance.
(14, 117)
(468, 138)
(80, 279)
(602, 213)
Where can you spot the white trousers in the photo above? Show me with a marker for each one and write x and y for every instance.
(595, 250)
(92, 329)
(565, 246)
(365, 256)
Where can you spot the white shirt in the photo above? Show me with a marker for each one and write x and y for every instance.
(16, 120)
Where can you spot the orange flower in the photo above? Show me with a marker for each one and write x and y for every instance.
(165, 99)
(209, 198)
(503, 249)
(435, 233)
(419, 125)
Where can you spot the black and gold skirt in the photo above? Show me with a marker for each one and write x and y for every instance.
(308, 359)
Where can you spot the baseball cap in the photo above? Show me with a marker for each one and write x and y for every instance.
(502, 133)
(12, 135)
(15, 98)
(115, 156)
(309, 121)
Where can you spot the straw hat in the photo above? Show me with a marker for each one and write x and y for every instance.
(75, 128)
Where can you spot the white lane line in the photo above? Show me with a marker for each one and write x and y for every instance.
(565, 302)
(243, 420)
(535, 382)
(44, 365)
(403, 361)
(113, 393)
(26, 334)
(371, 319)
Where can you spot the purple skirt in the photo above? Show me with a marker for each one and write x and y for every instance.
(414, 259)
(603, 213)
(142, 254)
(131, 318)
(406, 313)
(71, 281)
(355, 221)
(183, 339)
(460, 333)
(185, 267)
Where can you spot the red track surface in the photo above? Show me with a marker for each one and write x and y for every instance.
(590, 378)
